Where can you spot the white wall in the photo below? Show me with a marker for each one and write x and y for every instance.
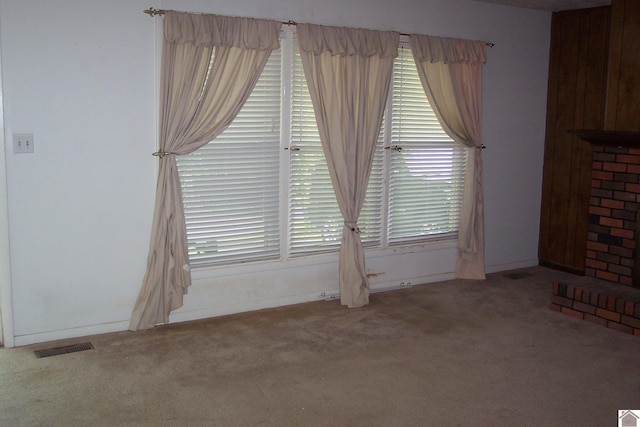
(81, 76)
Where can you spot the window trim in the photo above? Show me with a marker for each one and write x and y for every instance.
(420, 243)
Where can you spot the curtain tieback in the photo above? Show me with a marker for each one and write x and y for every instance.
(353, 226)
(482, 147)
(162, 153)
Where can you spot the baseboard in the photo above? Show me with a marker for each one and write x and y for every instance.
(186, 316)
(327, 295)
(562, 267)
(84, 331)
(512, 266)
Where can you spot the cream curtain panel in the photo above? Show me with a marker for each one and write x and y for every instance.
(210, 65)
(451, 73)
(348, 72)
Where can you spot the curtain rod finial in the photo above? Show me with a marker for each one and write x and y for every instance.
(153, 12)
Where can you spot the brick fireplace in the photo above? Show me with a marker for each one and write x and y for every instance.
(609, 295)
(613, 215)
(593, 93)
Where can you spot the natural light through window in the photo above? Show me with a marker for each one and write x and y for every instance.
(261, 190)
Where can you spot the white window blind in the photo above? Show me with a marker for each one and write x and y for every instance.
(426, 165)
(231, 186)
(261, 190)
(315, 221)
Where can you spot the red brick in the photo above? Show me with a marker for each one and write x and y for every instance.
(586, 294)
(620, 327)
(633, 169)
(628, 307)
(596, 174)
(585, 308)
(595, 319)
(625, 280)
(636, 332)
(627, 158)
(598, 265)
(628, 243)
(605, 275)
(609, 315)
(634, 188)
(611, 222)
(596, 166)
(556, 307)
(621, 232)
(631, 303)
(602, 300)
(573, 313)
(631, 321)
(570, 290)
(566, 302)
(595, 210)
(589, 289)
(620, 304)
(633, 150)
(609, 203)
(578, 294)
(624, 195)
(614, 167)
(600, 247)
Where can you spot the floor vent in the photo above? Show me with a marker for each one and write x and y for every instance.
(74, 348)
(518, 275)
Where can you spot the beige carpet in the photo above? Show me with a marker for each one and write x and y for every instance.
(457, 353)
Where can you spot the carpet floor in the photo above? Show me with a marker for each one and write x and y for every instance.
(453, 353)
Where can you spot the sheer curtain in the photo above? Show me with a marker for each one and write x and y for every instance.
(210, 65)
(348, 72)
(451, 73)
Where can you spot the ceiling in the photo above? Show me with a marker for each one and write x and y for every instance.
(552, 5)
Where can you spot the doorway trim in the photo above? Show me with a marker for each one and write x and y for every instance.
(6, 306)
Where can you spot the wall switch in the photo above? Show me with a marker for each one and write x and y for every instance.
(22, 143)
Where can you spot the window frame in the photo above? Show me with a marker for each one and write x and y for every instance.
(285, 253)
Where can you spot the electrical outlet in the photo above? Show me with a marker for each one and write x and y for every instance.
(22, 143)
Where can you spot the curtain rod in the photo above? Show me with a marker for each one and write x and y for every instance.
(153, 12)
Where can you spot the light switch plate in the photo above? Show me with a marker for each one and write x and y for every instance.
(22, 143)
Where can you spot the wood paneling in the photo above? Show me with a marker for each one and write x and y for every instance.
(576, 100)
(623, 105)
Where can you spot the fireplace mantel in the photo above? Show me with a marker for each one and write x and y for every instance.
(609, 137)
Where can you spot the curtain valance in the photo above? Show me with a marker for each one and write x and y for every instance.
(451, 73)
(448, 50)
(203, 86)
(348, 72)
(215, 30)
(348, 41)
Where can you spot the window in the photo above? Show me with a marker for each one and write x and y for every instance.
(261, 190)
(426, 166)
(315, 223)
(230, 187)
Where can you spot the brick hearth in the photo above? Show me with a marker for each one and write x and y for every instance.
(607, 304)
